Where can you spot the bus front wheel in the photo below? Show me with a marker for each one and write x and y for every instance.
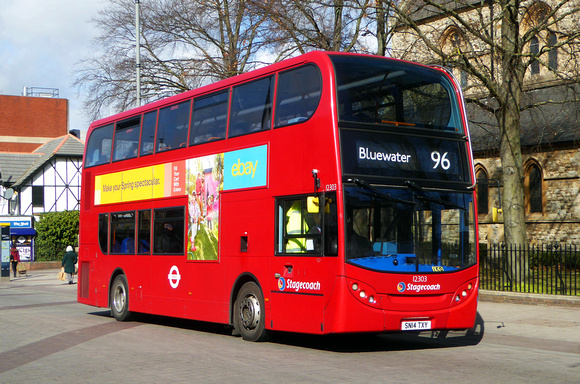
(119, 299)
(249, 314)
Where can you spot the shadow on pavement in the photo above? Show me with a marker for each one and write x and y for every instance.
(386, 342)
(336, 343)
(174, 322)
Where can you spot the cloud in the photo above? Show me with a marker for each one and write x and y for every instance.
(41, 41)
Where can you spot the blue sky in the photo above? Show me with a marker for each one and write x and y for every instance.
(40, 43)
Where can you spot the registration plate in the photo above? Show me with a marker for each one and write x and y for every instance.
(415, 325)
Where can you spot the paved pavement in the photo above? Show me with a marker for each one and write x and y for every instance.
(504, 314)
(42, 299)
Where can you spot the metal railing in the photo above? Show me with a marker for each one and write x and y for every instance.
(547, 269)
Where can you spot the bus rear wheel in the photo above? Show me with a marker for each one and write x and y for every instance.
(119, 299)
(249, 316)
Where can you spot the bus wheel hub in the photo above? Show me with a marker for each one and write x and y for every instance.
(250, 312)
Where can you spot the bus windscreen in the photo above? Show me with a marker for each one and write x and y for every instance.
(409, 229)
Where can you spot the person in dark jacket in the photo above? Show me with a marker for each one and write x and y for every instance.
(68, 262)
(14, 258)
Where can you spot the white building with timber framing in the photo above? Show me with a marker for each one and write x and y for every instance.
(45, 180)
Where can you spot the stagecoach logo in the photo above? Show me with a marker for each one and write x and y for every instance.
(410, 287)
(401, 287)
(298, 285)
(281, 283)
(174, 277)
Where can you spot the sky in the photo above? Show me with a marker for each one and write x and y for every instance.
(41, 41)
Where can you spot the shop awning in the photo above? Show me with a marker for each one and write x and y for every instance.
(22, 231)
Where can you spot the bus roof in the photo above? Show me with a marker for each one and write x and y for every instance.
(314, 56)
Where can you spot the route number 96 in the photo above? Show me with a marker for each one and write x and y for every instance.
(440, 160)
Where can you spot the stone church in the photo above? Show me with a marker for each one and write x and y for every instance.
(550, 123)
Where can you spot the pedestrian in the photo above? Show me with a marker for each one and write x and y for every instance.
(14, 258)
(68, 262)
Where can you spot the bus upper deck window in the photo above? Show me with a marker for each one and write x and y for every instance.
(390, 93)
(298, 95)
(209, 118)
(148, 133)
(99, 146)
(252, 107)
(173, 127)
(127, 138)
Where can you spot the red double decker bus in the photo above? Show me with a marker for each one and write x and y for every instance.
(328, 193)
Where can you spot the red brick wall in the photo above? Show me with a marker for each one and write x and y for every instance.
(17, 147)
(29, 117)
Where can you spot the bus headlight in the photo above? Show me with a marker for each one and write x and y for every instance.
(364, 293)
(464, 292)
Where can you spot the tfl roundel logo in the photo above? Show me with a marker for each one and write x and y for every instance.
(401, 287)
(281, 283)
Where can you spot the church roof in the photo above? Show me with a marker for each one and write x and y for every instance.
(421, 12)
(553, 123)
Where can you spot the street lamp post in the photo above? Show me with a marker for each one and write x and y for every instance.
(138, 51)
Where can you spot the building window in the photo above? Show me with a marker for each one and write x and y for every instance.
(38, 196)
(463, 79)
(534, 189)
(534, 51)
(482, 189)
(553, 53)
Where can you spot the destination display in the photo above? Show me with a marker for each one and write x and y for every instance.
(403, 156)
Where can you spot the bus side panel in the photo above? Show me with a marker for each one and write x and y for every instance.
(296, 312)
(206, 291)
(168, 282)
(92, 289)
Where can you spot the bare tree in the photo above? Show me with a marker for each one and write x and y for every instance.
(382, 14)
(184, 44)
(497, 43)
(299, 26)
